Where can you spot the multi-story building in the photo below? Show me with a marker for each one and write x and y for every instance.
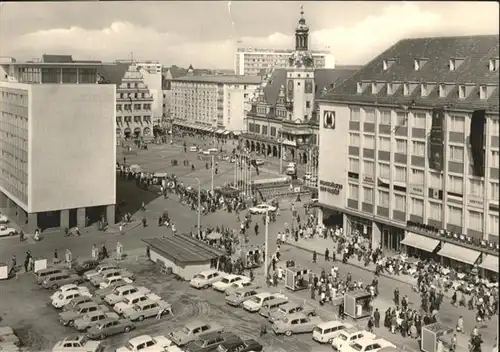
(152, 77)
(57, 160)
(282, 120)
(415, 136)
(250, 61)
(212, 104)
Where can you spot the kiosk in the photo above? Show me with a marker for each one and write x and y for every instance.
(357, 304)
(251, 258)
(4, 271)
(431, 334)
(296, 278)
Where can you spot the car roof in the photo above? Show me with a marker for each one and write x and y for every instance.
(207, 272)
(298, 315)
(276, 300)
(227, 335)
(352, 330)
(196, 323)
(96, 312)
(135, 295)
(107, 320)
(140, 339)
(332, 323)
(263, 294)
(80, 298)
(291, 305)
(74, 338)
(366, 340)
(245, 289)
(232, 276)
(48, 270)
(87, 304)
(107, 266)
(148, 301)
(125, 287)
(56, 274)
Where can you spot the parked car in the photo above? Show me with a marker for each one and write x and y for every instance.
(290, 308)
(255, 303)
(296, 323)
(109, 327)
(146, 343)
(367, 344)
(327, 331)
(42, 274)
(3, 219)
(241, 295)
(271, 305)
(64, 298)
(77, 301)
(78, 344)
(205, 279)
(68, 317)
(101, 293)
(90, 319)
(237, 285)
(147, 309)
(123, 291)
(55, 281)
(69, 287)
(192, 330)
(7, 231)
(100, 269)
(346, 337)
(227, 280)
(249, 345)
(262, 209)
(210, 342)
(97, 279)
(133, 299)
(8, 336)
(111, 280)
(81, 267)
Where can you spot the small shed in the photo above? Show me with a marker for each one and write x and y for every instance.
(184, 254)
(357, 304)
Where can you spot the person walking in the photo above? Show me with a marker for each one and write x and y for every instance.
(376, 318)
(327, 255)
(315, 255)
(396, 296)
(460, 325)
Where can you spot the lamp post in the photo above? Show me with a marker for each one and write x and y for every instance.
(213, 166)
(266, 247)
(280, 140)
(199, 206)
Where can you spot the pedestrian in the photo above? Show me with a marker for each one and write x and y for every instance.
(370, 324)
(396, 296)
(160, 313)
(263, 329)
(143, 206)
(95, 252)
(104, 251)
(314, 256)
(376, 318)
(148, 253)
(327, 255)
(144, 222)
(56, 257)
(460, 324)
(453, 345)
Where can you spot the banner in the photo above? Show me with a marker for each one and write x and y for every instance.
(436, 140)
(477, 123)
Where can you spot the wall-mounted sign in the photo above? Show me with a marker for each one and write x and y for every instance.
(368, 179)
(417, 190)
(329, 119)
(475, 202)
(330, 187)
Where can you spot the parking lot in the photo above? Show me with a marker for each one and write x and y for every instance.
(24, 304)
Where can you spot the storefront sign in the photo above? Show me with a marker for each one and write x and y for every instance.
(330, 187)
(368, 179)
(475, 202)
(418, 190)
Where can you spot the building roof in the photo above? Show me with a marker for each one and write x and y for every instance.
(113, 73)
(277, 51)
(221, 79)
(50, 58)
(184, 249)
(471, 53)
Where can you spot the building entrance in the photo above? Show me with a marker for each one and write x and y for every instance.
(391, 238)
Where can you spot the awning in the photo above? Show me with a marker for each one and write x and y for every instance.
(236, 133)
(226, 132)
(421, 242)
(220, 131)
(490, 262)
(458, 253)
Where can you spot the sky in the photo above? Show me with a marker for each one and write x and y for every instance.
(207, 33)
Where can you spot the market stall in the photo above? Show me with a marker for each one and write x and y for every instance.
(296, 278)
(357, 304)
(433, 333)
(251, 258)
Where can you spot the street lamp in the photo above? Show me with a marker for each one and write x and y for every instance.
(280, 154)
(199, 206)
(266, 247)
(213, 166)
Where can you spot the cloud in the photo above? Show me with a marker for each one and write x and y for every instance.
(356, 43)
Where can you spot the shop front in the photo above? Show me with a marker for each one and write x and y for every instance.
(489, 267)
(419, 246)
(356, 224)
(461, 258)
(391, 237)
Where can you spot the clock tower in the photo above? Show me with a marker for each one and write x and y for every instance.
(300, 76)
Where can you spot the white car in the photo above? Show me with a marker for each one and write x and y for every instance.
(346, 337)
(133, 299)
(111, 280)
(366, 344)
(262, 209)
(237, 285)
(119, 293)
(146, 343)
(101, 269)
(78, 344)
(256, 302)
(7, 231)
(69, 287)
(3, 219)
(205, 279)
(64, 298)
(227, 281)
(193, 149)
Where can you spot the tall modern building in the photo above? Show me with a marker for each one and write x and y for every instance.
(415, 136)
(250, 61)
(57, 146)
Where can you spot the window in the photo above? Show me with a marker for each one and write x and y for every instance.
(416, 65)
(385, 117)
(383, 199)
(384, 171)
(457, 124)
(455, 184)
(493, 65)
(483, 95)
(495, 128)
(476, 188)
(494, 159)
(435, 180)
(385, 65)
(423, 89)
(406, 89)
(368, 168)
(493, 223)
(435, 211)
(368, 195)
(442, 91)
(401, 118)
(400, 203)
(419, 120)
(308, 104)
(454, 215)
(353, 191)
(384, 143)
(475, 220)
(456, 154)
(417, 177)
(374, 88)
(359, 88)
(368, 142)
(451, 64)
(461, 91)
(354, 165)
(354, 139)
(401, 146)
(370, 115)
(399, 173)
(417, 206)
(494, 191)
(418, 148)
(355, 112)
(390, 89)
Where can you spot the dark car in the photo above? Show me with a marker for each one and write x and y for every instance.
(210, 341)
(240, 346)
(80, 267)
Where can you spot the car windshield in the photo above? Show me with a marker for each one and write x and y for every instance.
(235, 284)
(356, 346)
(126, 300)
(318, 330)
(200, 276)
(100, 326)
(129, 346)
(86, 318)
(185, 330)
(83, 340)
(199, 343)
(285, 320)
(343, 337)
(225, 281)
(256, 299)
